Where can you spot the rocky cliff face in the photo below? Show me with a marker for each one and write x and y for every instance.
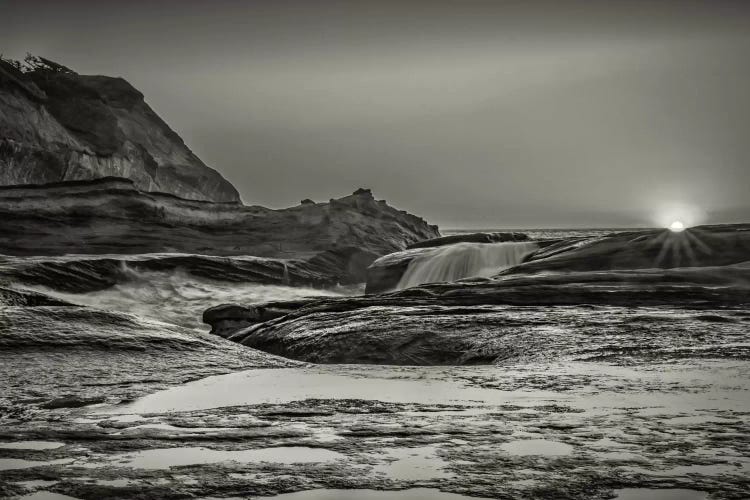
(57, 125)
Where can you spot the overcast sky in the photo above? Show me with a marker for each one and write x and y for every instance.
(473, 114)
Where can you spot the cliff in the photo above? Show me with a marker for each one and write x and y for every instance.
(57, 125)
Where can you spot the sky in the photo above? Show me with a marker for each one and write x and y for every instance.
(474, 114)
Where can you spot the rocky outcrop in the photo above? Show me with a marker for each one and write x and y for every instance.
(701, 246)
(112, 216)
(461, 322)
(227, 319)
(384, 274)
(90, 273)
(469, 238)
(89, 168)
(314, 244)
(68, 347)
(57, 125)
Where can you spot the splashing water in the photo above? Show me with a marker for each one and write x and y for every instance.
(179, 298)
(464, 260)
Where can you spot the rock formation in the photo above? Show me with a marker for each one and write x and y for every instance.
(701, 246)
(112, 216)
(463, 322)
(310, 244)
(57, 125)
(87, 167)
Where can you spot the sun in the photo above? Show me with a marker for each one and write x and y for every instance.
(677, 226)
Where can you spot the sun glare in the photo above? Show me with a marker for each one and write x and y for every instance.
(677, 226)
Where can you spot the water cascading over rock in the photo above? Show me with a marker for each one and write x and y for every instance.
(464, 260)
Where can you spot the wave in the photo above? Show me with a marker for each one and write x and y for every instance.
(179, 297)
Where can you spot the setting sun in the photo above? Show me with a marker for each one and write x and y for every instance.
(677, 226)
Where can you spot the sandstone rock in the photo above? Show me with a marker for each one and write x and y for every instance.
(57, 125)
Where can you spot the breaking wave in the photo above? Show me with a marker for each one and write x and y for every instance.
(170, 288)
(179, 298)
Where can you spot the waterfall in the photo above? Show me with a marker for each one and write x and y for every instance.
(286, 274)
(464, 260)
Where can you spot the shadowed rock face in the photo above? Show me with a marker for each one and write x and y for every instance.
(57, 125)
